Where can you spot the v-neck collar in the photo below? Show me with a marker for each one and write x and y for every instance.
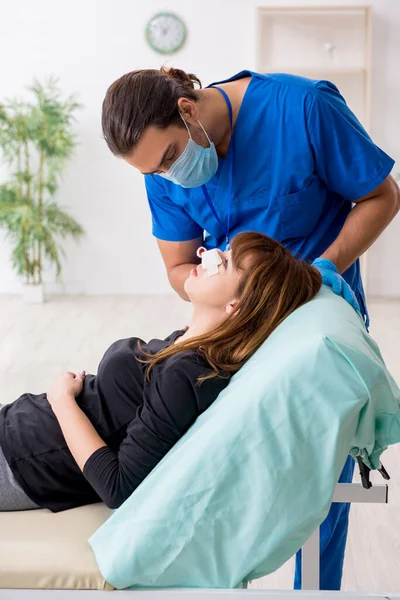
(240, 75)
(214, 184)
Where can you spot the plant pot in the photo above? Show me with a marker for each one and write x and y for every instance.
(33, 293)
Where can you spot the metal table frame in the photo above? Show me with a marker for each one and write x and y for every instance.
(344, 492)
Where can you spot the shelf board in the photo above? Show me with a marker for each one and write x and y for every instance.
(268, 10)
(314, 70)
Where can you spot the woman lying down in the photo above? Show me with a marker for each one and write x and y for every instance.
(95, 438)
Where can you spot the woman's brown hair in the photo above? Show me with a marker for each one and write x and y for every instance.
(141, 98)
(272, 285)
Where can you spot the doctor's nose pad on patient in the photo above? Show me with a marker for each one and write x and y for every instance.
(210, 260)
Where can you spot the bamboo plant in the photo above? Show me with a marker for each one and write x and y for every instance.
(36, 141)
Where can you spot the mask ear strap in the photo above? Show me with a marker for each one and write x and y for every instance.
(205, 132)
(186, 125)
(188, 130)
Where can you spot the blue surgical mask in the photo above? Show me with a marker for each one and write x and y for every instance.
(195, 166)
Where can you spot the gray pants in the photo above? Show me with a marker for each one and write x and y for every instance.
(12, 496)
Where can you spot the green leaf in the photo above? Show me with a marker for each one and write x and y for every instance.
(37, 140)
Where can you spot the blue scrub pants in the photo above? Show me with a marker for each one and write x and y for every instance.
(333, 535)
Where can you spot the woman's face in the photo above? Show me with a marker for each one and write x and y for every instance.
(217, 291)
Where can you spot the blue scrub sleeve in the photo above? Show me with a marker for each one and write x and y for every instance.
(345, 156)
(170, 221)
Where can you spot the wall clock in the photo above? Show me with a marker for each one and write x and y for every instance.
(166, 32)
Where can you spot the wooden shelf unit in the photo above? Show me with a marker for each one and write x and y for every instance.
(321, 42)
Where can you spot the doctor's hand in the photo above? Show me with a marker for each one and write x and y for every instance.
(65, 386)
(332, 278)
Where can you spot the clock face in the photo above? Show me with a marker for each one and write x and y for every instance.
(166, 33)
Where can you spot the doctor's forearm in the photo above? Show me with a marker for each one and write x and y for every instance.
(362, 227)
(177, 277)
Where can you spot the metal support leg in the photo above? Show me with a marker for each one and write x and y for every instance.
(344, 492)
(310, 563)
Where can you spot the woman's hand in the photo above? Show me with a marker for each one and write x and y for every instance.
(65, 385)
(81, 437)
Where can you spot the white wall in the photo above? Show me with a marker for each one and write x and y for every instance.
(88, 45)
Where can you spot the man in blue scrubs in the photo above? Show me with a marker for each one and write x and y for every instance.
(279, 154)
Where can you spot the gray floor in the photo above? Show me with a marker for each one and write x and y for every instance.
(72, 333)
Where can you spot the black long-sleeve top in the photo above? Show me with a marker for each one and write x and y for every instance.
(140, 422)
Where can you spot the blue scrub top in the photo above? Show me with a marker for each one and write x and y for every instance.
(301, 158)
